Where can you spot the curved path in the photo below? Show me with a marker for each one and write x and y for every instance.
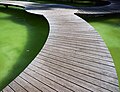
(74, 58)
(112, 8)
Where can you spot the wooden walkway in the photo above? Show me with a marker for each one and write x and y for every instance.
(113, 8)
(74, 58)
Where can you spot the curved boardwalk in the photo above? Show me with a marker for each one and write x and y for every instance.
(74, 58)
(113, 8)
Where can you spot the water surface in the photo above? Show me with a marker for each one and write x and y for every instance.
(22, 35)
(108, 26)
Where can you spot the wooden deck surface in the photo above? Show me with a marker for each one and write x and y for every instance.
(74, 58)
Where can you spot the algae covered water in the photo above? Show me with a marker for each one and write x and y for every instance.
(22, 35)
(108, 26)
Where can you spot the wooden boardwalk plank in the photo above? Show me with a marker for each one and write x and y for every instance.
(108, 66)
(74, 58)
(27, 85)
(92, 81)
(46, 80)
(38, 84)
(78, 71)
(75, 61)
(60, 78)
(84, 57)
(56, 81)
(81, 53)
(16, 87)
(73, 80)
(8, 89)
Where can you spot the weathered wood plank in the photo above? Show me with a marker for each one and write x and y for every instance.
(58, 65)
(40, 85)
(92, 81)
(79, 70)
(76, 55)
(76, 81)
(62, 81)
(108, 66)
(27, 85)
(67, 62)
(47, 81)
(16, 87)
(8, 89)
(74, 58)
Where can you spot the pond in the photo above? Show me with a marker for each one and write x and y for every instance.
(22, 36)
(108, 26)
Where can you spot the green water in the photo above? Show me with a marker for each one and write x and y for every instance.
(22, 36)
(109, 28)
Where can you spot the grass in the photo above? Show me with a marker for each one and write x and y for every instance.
(22, 36)
(109, 28)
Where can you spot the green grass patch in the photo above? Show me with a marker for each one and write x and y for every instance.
(109, 28)
(22, 35)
